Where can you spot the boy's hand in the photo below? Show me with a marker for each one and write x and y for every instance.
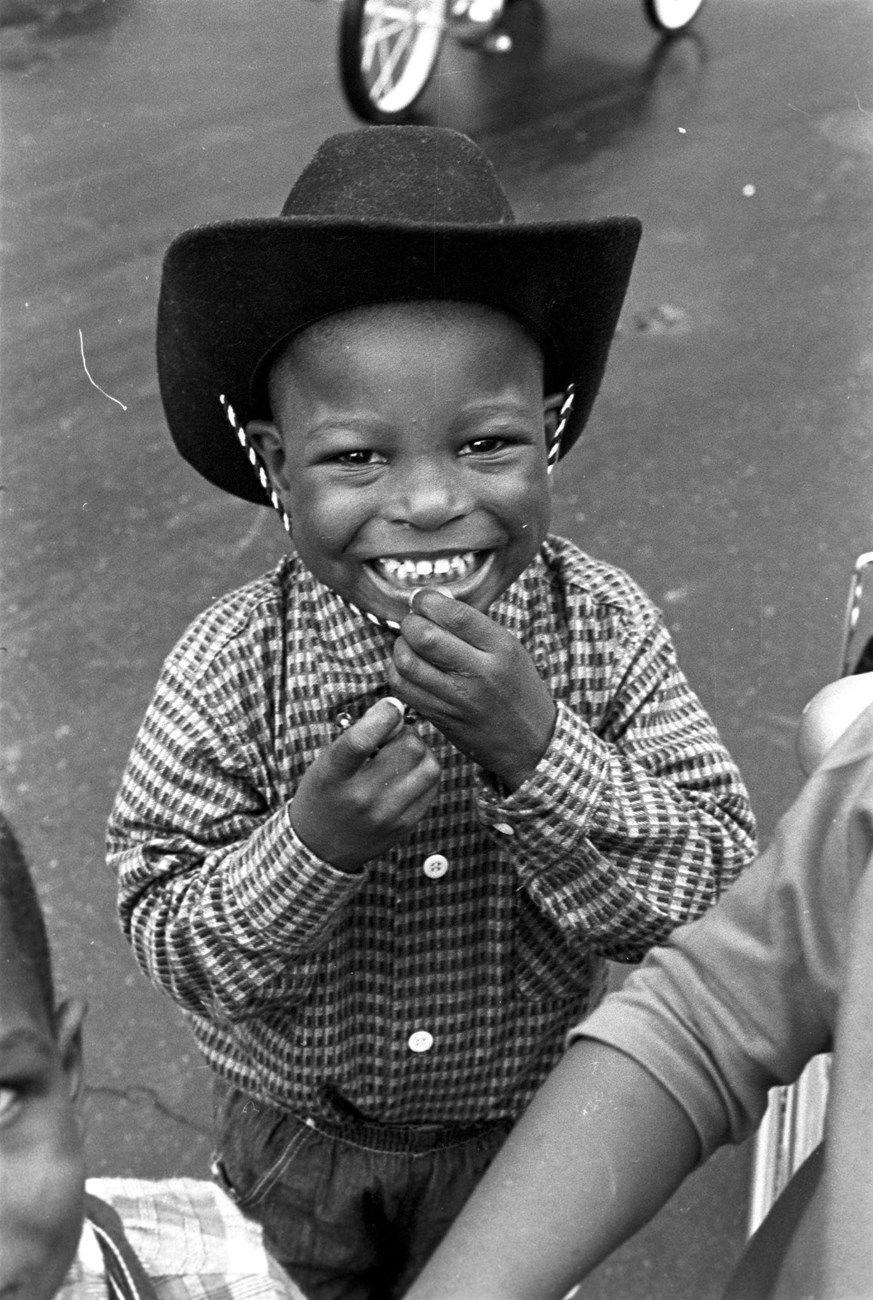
(476, 683)
(365, 791)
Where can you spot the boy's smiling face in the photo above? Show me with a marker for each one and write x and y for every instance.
(409, 450)
(42, 1176)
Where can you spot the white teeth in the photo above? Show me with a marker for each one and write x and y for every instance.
(412, 573)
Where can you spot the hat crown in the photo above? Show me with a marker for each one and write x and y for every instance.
(401, 173)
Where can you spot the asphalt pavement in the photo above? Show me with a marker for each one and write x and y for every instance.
(728, 465)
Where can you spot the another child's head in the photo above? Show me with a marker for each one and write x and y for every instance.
(42, 1176)
(375, 362)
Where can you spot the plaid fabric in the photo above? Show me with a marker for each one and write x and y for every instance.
(189, 1242)
(305, 986)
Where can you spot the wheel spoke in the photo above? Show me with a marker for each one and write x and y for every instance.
(395, 47)
(387, 74)
(387, 21)
(402, 16)
(399, 13)
(374, 39)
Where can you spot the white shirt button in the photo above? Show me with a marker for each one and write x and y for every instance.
(504, 828)
(435, 866)
(420, 1041)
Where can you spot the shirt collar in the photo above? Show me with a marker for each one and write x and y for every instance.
(347, 636)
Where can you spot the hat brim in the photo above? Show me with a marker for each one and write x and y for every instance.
(230, 291)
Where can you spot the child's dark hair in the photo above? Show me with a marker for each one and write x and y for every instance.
(20, 904)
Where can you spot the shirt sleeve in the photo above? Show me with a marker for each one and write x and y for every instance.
(739, 1001)
(634, 821)
(219, 898)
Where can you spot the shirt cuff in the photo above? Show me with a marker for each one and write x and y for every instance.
(549, 814)
(279, 890)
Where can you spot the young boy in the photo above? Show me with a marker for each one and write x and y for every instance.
(382, 914)
(121, 1239)
(681, 1059)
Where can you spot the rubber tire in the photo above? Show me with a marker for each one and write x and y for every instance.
(352, 77)
(653, 13)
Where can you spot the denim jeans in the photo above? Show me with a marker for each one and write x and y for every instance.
(352, 1212)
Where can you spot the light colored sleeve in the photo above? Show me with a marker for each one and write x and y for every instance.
(739, 1001)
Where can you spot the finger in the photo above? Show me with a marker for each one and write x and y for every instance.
(409, 790)
(398, 756)
(416, 809)
(437, 646)
(364, 738)
(401, 709)
(462, 621)
(444, 591)
(427, 689)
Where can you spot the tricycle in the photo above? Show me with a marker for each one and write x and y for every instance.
(389, 49)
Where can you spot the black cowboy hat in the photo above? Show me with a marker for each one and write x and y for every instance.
(381, 214)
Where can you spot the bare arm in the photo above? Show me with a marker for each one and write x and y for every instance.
(601, 1148)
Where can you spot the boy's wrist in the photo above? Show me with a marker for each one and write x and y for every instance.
(520, 764)
(349, 863)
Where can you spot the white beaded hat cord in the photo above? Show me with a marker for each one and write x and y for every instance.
(265, 482)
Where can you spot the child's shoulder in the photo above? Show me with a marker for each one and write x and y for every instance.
(596, 584)
(255, 612)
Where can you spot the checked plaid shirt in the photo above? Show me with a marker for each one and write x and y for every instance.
(436, 985)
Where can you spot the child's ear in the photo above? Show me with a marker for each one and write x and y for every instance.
(269, 444)
(550, 423)
(69, 1020)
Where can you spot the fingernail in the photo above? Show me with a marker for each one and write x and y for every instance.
(398, 704)
(444, 591)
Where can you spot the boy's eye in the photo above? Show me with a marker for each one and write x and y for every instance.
(10, 1096)
(359, 458)
(485, 446)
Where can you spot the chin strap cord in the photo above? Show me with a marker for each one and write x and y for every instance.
(564, 412)
(258, 466)
(264, 480)
(256, 463)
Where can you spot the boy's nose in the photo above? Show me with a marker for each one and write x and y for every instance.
(428, 498)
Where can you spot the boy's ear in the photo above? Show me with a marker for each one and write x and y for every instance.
(69, 1021)
(269, 444)
(551, 417)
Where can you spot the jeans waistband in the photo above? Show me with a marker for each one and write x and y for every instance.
(352, 1127)
(411, 1139)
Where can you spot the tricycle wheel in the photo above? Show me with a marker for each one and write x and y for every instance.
(388, 50)
(671, 15)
